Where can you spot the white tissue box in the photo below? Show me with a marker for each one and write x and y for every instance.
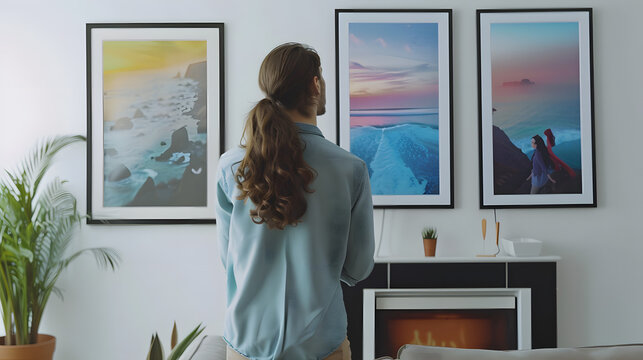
(523, 247)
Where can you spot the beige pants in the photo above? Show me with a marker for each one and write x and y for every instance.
(343, 352)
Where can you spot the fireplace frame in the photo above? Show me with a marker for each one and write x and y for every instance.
(448, 299)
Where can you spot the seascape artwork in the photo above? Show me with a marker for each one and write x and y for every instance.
(154, 123)
(394, 105)
(535, 79)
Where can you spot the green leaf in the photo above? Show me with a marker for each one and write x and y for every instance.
(429, 233)
(16, 253)
(176, 353)
(156, 349)
(105, 257)
(175, 337)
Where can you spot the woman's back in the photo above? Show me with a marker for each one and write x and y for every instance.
(284, 293)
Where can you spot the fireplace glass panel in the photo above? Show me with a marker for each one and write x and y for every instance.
(492, 329)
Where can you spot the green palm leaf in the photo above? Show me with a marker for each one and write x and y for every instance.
(35, 166)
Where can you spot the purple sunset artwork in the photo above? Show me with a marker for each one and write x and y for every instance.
(394, 93)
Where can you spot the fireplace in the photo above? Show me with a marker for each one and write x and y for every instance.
(473, 275)
(493, 329)
(496, 319)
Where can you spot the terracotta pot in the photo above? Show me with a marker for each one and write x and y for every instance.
(42, 350)
(429, 248)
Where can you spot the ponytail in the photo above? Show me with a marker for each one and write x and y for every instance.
(273, 173)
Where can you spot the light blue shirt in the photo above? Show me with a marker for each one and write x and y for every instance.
(284, 298)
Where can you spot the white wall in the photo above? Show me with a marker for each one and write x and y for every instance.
(173, 272)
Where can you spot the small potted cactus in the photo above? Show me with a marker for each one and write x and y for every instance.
(430, 237)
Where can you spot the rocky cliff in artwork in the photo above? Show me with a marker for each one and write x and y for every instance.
(511, 167)
(198, 72)
(191, 188)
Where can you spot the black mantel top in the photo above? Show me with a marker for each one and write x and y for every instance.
(539, 276)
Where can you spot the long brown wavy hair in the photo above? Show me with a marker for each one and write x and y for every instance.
(273, 173)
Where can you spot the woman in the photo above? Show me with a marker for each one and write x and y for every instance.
(541, 165)
(294, 217)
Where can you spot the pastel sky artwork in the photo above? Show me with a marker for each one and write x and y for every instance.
(393, 65)
(132, 66)
(119, 56)
(545, 54)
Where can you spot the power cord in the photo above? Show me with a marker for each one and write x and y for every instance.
(379, 243)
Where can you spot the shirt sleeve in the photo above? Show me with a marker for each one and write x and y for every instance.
(361, 239)
(223, 212)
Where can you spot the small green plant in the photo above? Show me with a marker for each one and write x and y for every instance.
(429, 233)
(156, 348)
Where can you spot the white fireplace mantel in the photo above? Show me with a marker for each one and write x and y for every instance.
(465, 259)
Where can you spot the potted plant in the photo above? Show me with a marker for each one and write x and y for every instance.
(430, 237)
(176, 350)
(37, 223)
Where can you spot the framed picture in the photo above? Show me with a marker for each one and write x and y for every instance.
(394, 96)
(536, 112)
(154, 122)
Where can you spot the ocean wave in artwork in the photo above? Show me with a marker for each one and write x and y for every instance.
(401, 159)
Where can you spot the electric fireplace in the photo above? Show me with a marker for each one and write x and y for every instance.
(496, 319)
(438, 273)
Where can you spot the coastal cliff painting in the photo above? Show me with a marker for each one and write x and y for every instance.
(155, 122)
(394, 89)
(536, 108)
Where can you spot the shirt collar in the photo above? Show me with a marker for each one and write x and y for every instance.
(309, 129)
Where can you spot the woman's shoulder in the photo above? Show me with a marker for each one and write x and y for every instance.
(328, 154)
(331, 150)
(231, 157)
(234, 154)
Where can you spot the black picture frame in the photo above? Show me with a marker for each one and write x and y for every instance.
(536, 79)
(123, 75)
(427, 192)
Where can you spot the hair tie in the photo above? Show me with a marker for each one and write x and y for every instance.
(273, 100)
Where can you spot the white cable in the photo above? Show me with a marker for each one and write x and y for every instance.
(379, 243)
